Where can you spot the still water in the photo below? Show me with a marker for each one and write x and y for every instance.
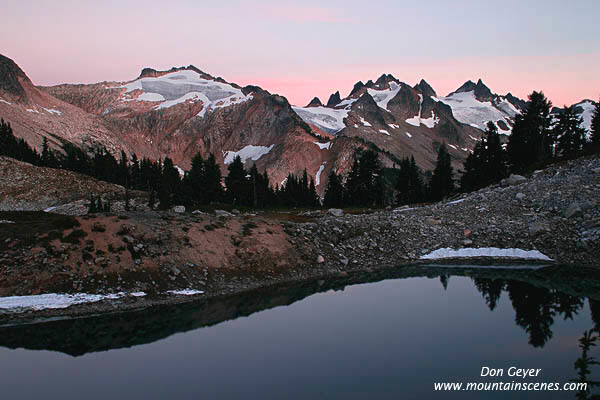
(389, 339)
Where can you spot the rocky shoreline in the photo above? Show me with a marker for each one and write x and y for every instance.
(555, 211)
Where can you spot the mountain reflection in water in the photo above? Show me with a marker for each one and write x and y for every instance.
(401, 307)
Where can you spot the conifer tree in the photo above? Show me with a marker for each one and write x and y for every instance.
(313, 197)
(213, 179)
(123, 171)
(569, 133)
(237, 185)
(487, 164)
(530, 144)
(365, 182)
(169, 181)
(45, 152)
(151, 199)
(334, 191)
(193, 182)
(442, 183)
(409, 183)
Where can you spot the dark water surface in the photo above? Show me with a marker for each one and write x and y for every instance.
(390, 339)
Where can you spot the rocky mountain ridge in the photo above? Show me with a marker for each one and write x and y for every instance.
(182, 111)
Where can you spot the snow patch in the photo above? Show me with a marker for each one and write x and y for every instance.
(5, 221)
(180, 170)
(455, 202)
(32, 111)
(247, 152)
(431, 121)
(5, 102)
(485, 252)
(417, 120)
(53, 111)
(587, 114)
(408, 134)
(185, 292)
(384, 132)
(393, 126)
(57, 300)
(323, 146)
(318, 175)
(453, 146)
(365, 123)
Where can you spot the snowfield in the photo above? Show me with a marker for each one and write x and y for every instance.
(328, 119)
(247, 152)
(468, 110)
(346, 104)
(181, 86)
(383, 97)
(485, 252)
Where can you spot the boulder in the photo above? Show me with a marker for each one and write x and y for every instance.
(513, 180)
(573, 210)
(179, 209)
(336, 212)
(537, 228)
(223, 213)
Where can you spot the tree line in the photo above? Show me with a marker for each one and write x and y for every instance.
(536, 140)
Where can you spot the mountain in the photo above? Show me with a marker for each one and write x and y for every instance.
(35, 114)
(584, 109)
(395, 118)
(174, 113)
(475, 104)
(183, 110)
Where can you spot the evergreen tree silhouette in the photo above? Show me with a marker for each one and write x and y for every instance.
(487, 164)
(365, 182)
(334, 191)
(169, 182)
(442, 183)
(409, 183)
(569, 133)
(237, 185)
(530, 144)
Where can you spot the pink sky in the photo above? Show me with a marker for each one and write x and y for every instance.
(302, 50)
